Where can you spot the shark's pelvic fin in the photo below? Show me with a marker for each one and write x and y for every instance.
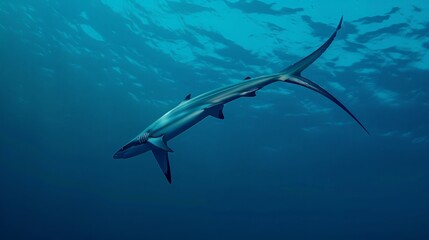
(247, 78)
(160, 143)
(163, 162)
(215, 111)
(251, 93)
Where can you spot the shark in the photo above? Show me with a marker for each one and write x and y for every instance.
(194, 109)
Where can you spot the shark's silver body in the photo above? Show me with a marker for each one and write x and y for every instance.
(192, 110)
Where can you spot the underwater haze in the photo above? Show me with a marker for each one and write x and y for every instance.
(81, 78)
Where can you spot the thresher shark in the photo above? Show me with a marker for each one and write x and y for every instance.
(192, 110)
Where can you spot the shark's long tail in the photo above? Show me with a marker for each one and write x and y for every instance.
(294, 72)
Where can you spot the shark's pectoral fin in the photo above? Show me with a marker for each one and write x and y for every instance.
(163, 162)
(251, 93)
(160, 143)
(247, 78)
(215, 111)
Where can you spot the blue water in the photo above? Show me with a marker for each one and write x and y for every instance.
(81, 78)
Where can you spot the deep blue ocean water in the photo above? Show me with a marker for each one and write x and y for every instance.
(81, 78)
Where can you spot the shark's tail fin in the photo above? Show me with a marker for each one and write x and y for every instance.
(299, 66)
(294, 72)
(302, 81)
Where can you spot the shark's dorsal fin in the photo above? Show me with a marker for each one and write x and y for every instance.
(215, 111)
(160, 143)
(186, 98)
(163, 162)
(247, 78)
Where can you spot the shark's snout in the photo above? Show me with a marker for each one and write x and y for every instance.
(133, 148)
(116, 155)
(119, 154)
